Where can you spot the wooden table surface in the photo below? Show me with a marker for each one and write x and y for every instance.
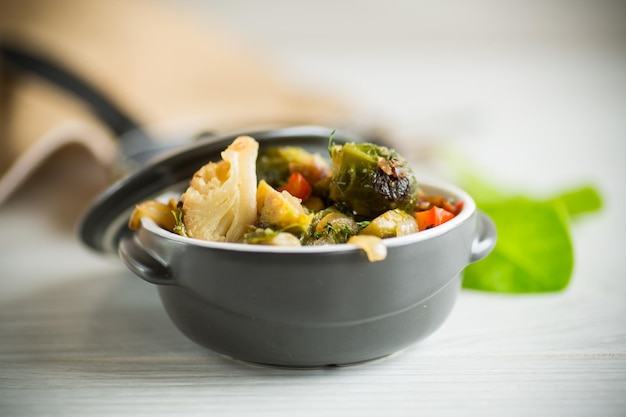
(80, 335)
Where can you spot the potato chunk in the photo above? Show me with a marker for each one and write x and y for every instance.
(280, 210)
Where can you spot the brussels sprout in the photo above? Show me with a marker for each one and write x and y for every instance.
(369, 179)
(391, 223)
(330, 226)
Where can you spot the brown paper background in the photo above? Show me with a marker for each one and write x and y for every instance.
(159, 64)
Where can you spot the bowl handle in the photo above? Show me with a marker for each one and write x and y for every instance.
(485, 239)
(143, 263)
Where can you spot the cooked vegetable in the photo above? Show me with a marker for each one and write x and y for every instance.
(281, 210)
(331, 227)
(314, 203)
(161, 213)
(276, 164)
(179, 225)
(433, 217)
(220, 203)
(391, 223)
(261, 236)
(297, 186)
(368, 180)
(373, 246)
(426, 202)
(287, 196)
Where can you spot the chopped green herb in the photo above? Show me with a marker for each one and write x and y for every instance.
(362, 225)
(330, 142)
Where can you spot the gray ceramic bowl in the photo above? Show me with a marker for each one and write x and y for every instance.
(305, 306)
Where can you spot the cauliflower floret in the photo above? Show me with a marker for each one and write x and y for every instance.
(220, 202)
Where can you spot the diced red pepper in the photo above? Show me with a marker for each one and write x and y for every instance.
(432, 217)
(297, 186)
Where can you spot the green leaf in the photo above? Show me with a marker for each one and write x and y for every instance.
(534, 250)
(582, 200)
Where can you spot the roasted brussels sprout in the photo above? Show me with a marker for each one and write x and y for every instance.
(369, 179)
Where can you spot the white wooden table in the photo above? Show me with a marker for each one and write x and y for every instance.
(80, 335)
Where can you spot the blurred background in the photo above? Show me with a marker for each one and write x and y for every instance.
(518, 85)
(531, 93)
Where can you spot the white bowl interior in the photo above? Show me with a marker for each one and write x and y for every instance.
(429, 186)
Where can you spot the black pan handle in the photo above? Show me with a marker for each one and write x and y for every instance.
(27, 61)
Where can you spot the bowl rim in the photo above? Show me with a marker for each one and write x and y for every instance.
(430, 184)
(105, 220)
